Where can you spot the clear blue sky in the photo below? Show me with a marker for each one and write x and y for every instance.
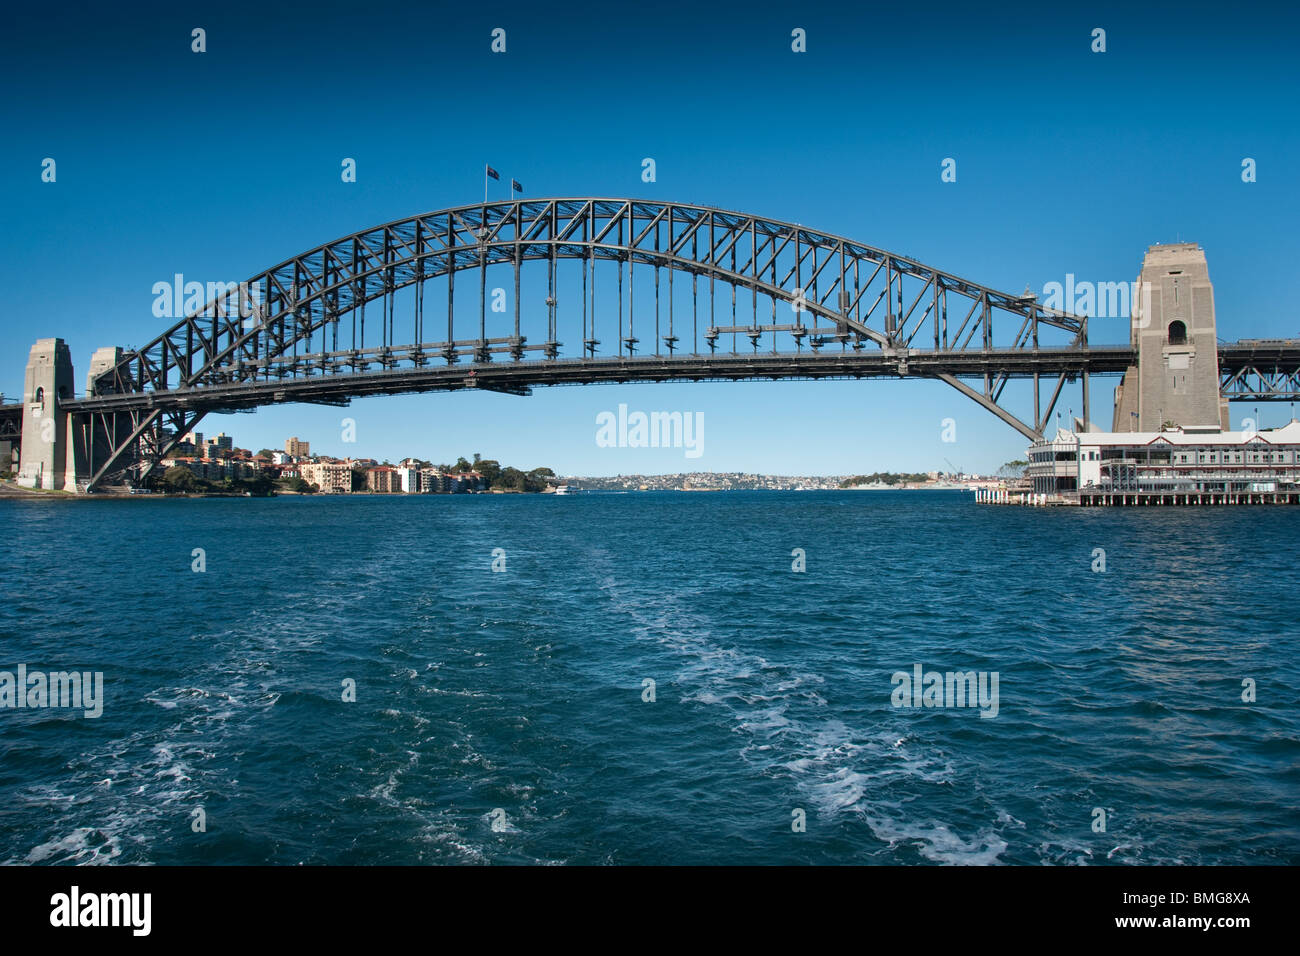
(222, 164)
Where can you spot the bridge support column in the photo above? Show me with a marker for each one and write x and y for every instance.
(43, 456)
(76, 463)
(97, 433)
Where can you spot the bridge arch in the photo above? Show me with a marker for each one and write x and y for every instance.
(286, 331)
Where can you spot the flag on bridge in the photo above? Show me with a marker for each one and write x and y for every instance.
(515, 187)
(494, 174)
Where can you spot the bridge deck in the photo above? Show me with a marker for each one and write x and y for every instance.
(867, 363)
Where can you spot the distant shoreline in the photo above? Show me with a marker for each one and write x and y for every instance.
(8, 489)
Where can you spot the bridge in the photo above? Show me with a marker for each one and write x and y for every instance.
(570, 291)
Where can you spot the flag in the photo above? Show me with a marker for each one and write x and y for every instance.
(493, 173)
(514, 185)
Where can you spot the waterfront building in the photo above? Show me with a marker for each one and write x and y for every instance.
(297, 449)
(213, 469)
(465, 481)
(406, 479)
(382, 480)
(432, 481)
(331, 477)
(1175, 466)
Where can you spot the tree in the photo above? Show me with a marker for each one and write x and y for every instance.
(266, 453)
(294, 484)
(535, 480)
(180, 480)
(1013, 469)
(489, 468)
(462, 464)
(259, 486)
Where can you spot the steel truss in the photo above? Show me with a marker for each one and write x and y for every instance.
(1263, 371)
(298, 332)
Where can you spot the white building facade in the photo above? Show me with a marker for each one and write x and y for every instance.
(1175, 466)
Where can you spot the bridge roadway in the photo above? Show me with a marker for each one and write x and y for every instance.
(523, 375)
(1236, 359)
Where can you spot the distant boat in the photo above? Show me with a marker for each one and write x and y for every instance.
(562, 489)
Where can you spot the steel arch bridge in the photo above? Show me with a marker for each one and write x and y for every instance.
(616, 290)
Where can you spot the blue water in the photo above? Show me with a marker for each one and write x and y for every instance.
(499, 716)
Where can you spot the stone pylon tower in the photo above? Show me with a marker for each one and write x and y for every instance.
(43, 458)
(60, 448)
(1177, 376)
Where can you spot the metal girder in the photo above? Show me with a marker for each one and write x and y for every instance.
(269, 316)
(284, 334)
(984, 400)
(11, 421)
(1264, 385)
(1262, 370)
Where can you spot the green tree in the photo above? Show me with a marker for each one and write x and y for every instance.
(294, 484)
(535, 480)
(180, 480)
(259, 486)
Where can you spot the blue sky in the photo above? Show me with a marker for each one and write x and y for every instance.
(218, 165)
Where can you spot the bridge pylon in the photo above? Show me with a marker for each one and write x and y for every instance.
(61, 446)
(45, 453)
(1176, 378)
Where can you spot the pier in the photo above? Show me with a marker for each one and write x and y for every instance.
(1134, 499)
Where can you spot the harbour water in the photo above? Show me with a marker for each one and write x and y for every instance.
(504, 716)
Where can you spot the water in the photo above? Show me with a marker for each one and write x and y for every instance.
(521, 692)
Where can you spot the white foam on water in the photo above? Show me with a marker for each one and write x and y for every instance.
(838, 769)
(79, 846)
(936, 842)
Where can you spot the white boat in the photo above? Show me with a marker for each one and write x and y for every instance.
(562, 489)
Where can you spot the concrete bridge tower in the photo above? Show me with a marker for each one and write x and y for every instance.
(1177, 376)
(43, 457)
(58, 447)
